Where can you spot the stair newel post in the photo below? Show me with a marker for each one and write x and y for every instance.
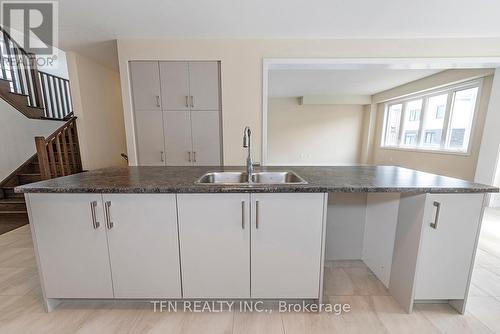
(79, 165)
(43, 159)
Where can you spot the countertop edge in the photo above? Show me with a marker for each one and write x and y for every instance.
(249, 189)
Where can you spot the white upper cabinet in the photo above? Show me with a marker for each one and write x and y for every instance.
(286, 245)
(143, 245)
(214, 236)
(71, 245)
(145, 85)
(175, 85)
(178, 142)
(447, 248)
(149, 137)
(206, 139)
(204, 85)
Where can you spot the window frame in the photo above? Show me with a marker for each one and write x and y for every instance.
(450, 90)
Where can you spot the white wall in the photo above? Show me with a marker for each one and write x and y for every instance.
(17, 133)
(313, 134)
(488, 165)
(456, 165)
(97, 103)
(241, 67)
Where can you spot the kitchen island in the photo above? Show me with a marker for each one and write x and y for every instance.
(155, 233)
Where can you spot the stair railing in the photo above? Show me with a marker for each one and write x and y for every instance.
(19, 67)
(56, 95)
(43, 90)
(59, 154)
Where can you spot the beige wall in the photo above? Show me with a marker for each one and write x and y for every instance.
(455, 165)
(313, 134)
(241, 66)
(17, 133)
(97, 103)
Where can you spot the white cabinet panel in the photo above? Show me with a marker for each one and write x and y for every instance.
(143, 245)
(214, 235)
(204, 85)
(145, 82)
(149, 136)
(73, 254)
(178, 144)
(286, 245)
(175, 85)
(206, 138)
(446, 252)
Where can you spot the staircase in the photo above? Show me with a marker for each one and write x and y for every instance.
(12, 205)
(57, 155)
(37, 95)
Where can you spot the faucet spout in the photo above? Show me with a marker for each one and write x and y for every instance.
(247, 133)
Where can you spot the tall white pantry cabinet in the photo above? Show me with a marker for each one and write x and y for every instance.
(177, 112)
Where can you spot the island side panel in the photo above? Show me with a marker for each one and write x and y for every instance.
(48, 303)
(380, 232)
(406, 248)
(460, 305)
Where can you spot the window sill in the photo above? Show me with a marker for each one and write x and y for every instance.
(418, 150)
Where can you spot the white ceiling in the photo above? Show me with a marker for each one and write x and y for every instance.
(93, 23)
(300, 82)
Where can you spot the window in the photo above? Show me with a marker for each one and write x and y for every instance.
(393, 121)
(438, 120)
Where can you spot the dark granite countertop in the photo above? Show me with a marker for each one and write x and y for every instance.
(320, 179)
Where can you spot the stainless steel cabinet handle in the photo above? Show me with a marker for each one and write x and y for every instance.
(189, 156)
(194, 156)
(157, 100)
(242, 215)
(256, 215)
(109, 223)
(434, 224)
(192, 101)
(95, 223)
(162, 156)
(187, 101)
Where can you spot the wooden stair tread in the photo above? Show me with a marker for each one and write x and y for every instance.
(12, 201)
(14, 212)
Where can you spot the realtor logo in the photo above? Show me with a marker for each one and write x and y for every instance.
(33, 24)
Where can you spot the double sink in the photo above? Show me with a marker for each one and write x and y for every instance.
(285, 177)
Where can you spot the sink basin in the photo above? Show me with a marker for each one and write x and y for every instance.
(223, 178)
(257, 178)
(277, 178)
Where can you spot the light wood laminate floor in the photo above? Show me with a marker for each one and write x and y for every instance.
(373, 310)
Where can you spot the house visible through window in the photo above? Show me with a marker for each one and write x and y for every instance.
(438, 120)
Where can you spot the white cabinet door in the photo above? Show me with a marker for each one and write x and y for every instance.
(174, 85)
(214, 236)
(204, 85)
(286, 245)
(72, 251)
(446, 252)
(143, 245)
(145, 82)
(178, 143)
(149, 136)
(206, 138)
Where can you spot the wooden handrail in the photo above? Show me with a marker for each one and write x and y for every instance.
(14, 41)
(59, 153)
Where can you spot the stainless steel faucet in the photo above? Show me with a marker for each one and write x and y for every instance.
(247, 144)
